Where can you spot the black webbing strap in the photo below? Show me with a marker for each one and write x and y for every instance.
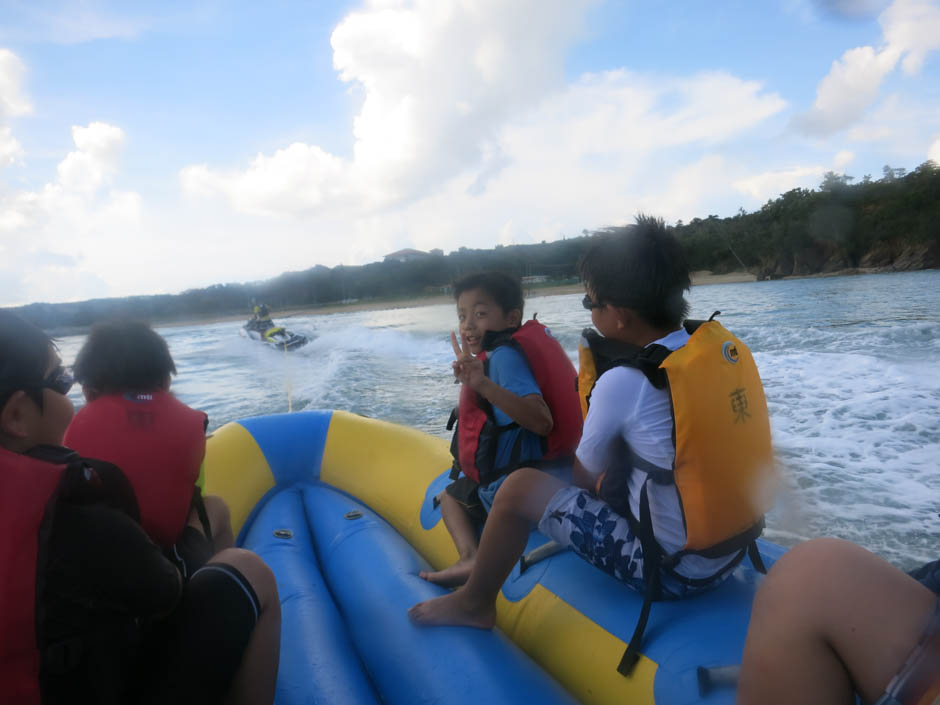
(754, 554)
(652, 557)
(200, 506)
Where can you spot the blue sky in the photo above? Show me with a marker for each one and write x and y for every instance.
(175, 145)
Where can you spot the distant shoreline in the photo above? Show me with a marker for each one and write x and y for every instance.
(699, 278)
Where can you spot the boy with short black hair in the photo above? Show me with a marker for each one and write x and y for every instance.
(504, 421)
(131, 419)
(635, 280)
(84, 592)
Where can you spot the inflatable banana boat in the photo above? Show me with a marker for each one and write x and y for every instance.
(341, 507)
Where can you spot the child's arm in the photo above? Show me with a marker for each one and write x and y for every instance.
(531, 412)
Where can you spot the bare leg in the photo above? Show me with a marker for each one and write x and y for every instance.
(830, 618)
(462, 531)
(220, 523)
(256, 678)
(519, 503)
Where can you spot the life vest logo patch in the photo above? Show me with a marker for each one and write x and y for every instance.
(730, 352)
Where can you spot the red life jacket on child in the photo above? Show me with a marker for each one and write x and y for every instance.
(474, 444)
(26, 487)
(158, 442)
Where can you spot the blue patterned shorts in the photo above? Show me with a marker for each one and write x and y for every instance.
(577, 519)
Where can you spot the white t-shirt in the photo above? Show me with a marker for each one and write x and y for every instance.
(625, 407)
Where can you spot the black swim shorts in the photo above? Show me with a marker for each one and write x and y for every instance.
(193, 655)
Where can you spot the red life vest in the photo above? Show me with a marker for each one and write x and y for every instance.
(26, 487)
(158, 442)
(477, 431)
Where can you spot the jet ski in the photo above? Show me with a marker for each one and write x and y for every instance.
(275, 336)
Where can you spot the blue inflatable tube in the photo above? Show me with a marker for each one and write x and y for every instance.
(319, 663)
(342, 509)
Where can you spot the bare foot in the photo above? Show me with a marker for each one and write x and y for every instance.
(456, 575)
(453, 609)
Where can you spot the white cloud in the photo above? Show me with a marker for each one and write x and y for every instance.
(848, 90)
(96, 159)
(69, 22)
(933, 152)
(12, 72)
(843, 158)
(910, 29)
(770, 184)
(10, 149)
(459, 146)
(439, 80)
(296, 180)
(75, 228)
(912, 26)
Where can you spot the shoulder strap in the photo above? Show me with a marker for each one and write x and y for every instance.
(495, 338)
(88, 481)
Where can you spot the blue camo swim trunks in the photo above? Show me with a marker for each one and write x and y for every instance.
(575, 518)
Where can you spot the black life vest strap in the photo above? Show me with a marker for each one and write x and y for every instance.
(661, 476)
(652, 561)
(199, 504)
(754, 554)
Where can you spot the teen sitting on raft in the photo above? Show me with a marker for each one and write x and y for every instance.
(133, 421)
(504, 421)
(635, 282)
(832, 620)
(90, 610)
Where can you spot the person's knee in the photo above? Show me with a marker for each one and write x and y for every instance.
(797, 583)
(448, 503)
(255, 570)
(217, 509)
(515, 488)
(220, 520)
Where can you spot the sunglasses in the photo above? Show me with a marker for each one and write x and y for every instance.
(590, 305)
(60, 381)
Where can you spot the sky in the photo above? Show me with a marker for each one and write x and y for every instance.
(155, 147)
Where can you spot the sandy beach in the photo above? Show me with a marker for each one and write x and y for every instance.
(698, 278)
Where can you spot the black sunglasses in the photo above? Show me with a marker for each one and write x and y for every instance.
(60, 381)
(590, 305)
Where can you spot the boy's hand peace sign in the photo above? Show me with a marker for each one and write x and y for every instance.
(467, 368)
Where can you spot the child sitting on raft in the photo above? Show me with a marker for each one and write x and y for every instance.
(504, 420)
(612, 516)
(133, 421)
(91, 611)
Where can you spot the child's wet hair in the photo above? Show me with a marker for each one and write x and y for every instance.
(123, 356)
(505, 289)
(641, 267)
(24, 357)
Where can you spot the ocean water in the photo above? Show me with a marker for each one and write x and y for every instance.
(851, 369)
